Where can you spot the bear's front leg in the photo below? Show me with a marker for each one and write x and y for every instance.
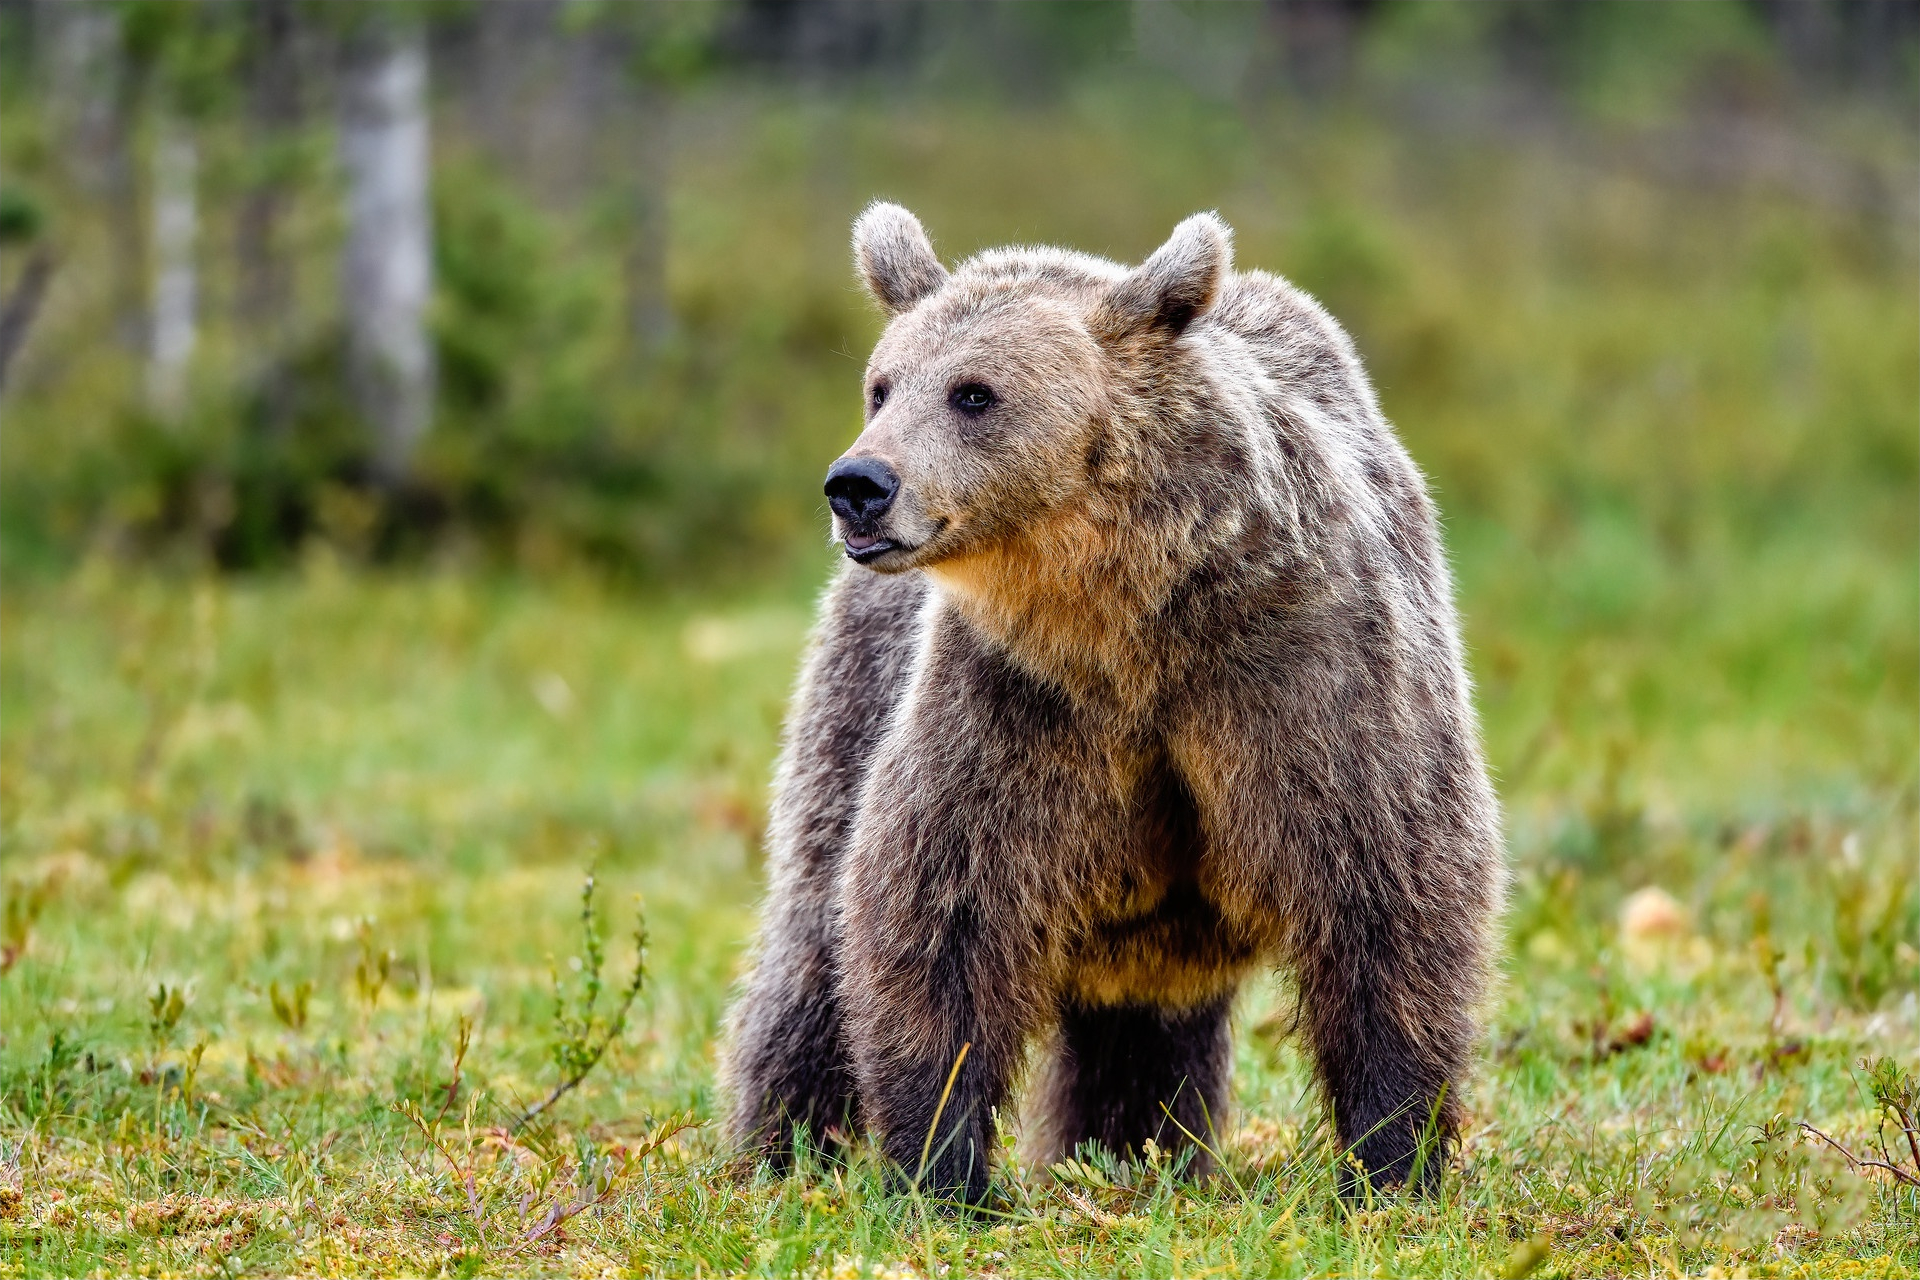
(786, 1067)
(786, 1062)
(969, 871)
(939, 1003)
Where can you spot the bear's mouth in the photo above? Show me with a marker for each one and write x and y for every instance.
(865, 548)
(867, 545)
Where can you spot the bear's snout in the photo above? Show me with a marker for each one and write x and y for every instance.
(860, 490)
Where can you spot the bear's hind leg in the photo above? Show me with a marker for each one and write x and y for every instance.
(1123, 1074)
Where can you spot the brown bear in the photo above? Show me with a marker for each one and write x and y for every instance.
(1145, 675)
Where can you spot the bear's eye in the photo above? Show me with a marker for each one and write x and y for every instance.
(877, 396)
(971, 398)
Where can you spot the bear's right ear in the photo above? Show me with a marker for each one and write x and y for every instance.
(895, 257)
(1169, 290)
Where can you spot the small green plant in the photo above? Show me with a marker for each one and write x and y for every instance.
(49, 1076)
(16, 930)
(375, 964)
(290, 1007)
(1873, 915)
(452, 1087)
(191, 1075)
(1897, 1091)
(580, 1034)
(165, 1007)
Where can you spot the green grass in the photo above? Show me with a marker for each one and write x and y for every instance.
(248, 790)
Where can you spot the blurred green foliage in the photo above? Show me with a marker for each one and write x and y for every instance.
(1589, 335)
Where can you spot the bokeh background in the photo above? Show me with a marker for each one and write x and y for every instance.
(414, 417)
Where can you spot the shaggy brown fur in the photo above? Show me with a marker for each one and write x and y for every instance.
(1152, 679)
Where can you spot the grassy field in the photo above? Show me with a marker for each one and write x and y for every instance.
(291, 859)
(342, 817)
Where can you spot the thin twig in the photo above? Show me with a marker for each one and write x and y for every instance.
(1899, 1174)
(1906, 1126)
(463, 1172)
(559, 1213)
(16, 315)
(560, 1091)
(459, 1058)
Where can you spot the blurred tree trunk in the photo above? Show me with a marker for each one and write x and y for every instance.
(1318, 40)
(657, 50)
(96, 90)
(172, 325)
(387, 272)
(83, 64)
(649, 312)
(514, 49)
(22, 305)
(265, 295)
(1832, 45)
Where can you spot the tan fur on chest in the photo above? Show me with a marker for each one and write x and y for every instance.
(1070, 598)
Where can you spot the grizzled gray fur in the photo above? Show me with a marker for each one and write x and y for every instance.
(1145, 676)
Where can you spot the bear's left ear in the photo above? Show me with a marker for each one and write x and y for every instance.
(895, 257)
(1174, 286)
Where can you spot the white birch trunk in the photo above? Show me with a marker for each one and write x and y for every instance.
(387, 273)
(172, 326)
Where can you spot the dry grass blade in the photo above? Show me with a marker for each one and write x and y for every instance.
(1095, 1214)
(926, 1147)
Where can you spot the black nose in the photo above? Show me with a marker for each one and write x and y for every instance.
(861, 489)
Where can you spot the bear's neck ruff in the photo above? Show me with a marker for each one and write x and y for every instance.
(1069, 598)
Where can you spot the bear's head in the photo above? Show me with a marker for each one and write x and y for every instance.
(997, 397)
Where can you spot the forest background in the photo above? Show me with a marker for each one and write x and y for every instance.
(413, 423)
